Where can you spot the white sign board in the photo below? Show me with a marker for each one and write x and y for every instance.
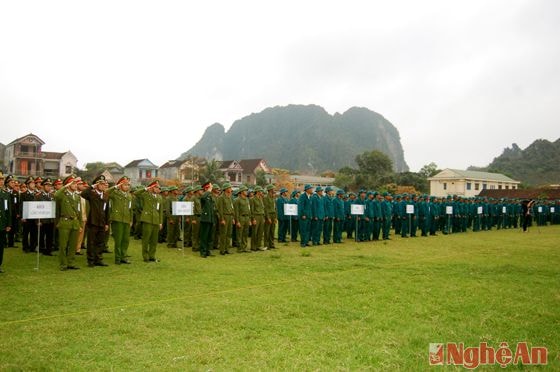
(36, 210)
(290, 210)
(357, 209)
(410, 208)
(504, 210)
(449, 209)
(182, 208)
(479, 210)
(540, 209)
(552, 209)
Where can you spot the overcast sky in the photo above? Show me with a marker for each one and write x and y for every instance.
(123, 80)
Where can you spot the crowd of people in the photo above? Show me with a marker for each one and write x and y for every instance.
(249, 220)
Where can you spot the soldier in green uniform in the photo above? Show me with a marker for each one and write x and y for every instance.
(152, 219)
(5, 218)
(377, 215)
(318, 214)
(215, 234)
(386, 215)
(305, 214)
(328, 202)
(207, 218)
(242, 217)
(257, 220)
(270, 217)
(173, 222)
(294, 220)
(120, 218)
(195, 218)
(339, 216)
(224, 210)
(187, 197)
(68, 222)
(283, 220)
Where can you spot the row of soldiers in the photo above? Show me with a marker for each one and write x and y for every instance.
(222, 218)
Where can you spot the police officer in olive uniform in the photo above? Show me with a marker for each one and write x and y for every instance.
(152, 219)
(242, 216)
(224, 210)
(68, 222)
(120, 217)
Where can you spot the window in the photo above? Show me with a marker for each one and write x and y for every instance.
(484, 186)
(507, 187)
(68, 169)
(468, 185)
(499, 187)
(477, 186)
(445, 185)
(492, 187)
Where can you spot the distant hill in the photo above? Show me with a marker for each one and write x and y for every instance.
(303, 138)
(537, 165)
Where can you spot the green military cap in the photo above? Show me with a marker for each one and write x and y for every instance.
(385, 193)
(328, 189)
(307, 187)
(258, 188)
(47, 181)
(226, 185)
(29, 180)
(318, 188)
(351, 194)
(283, 190)
(339, 192)
(294, 193)
(172, 188)
(196, 188)
(187, 190)
(242, 188)
(269, 187)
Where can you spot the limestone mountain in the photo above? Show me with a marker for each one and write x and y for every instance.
(303, 138)
(537, 165)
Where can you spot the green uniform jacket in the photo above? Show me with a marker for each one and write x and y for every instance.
(242, 208)
(269, 207)
(207, 204)
(257, 207)
(224, 206)
(120, 206)
(152, 207)
(68, 212)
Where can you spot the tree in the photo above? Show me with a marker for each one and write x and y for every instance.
(92, 170)
(374, 164)
(261, 178)
(211, 172)
(429, 170)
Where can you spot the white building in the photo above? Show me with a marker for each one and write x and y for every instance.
(468, 183)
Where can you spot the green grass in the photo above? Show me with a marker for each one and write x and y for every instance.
(353, 306)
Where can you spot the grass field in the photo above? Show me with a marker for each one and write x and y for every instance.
(353, 306)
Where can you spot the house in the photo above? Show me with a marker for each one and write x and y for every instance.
(233, 172)
(141, 171)
(299, 181)
(24, 157)
(170, 170)
(59, 164)
(251, 167)
(468, 183)
(113, 171)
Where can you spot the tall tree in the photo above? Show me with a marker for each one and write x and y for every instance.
(211, 172)
(429, 170)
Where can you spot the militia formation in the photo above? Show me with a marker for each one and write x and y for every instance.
(249, 220)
